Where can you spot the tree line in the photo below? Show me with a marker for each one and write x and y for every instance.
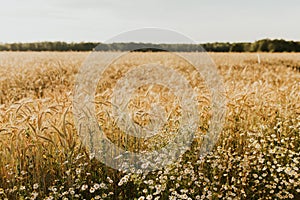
(265, 45)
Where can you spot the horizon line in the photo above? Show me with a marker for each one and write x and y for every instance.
(208, 42)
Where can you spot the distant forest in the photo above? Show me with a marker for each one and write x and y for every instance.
(265, 45)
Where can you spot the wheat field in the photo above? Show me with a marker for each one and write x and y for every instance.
(257, 155)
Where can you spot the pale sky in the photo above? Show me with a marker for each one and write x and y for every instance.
(100, 20)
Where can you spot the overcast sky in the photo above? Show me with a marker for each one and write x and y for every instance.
(99, 20)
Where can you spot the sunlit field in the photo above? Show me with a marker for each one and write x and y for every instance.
(257, 155)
